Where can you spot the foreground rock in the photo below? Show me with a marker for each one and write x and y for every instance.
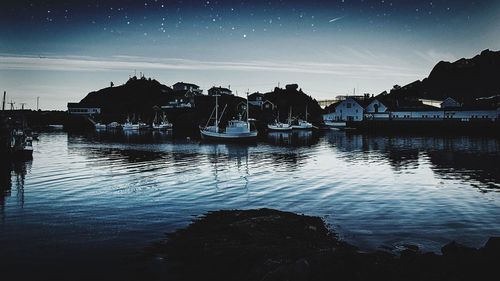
(268, 245)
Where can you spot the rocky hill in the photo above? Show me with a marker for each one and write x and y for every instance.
(464, 80)
(294, 98)
(138, 95)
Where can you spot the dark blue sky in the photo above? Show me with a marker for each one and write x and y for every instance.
(60, 50)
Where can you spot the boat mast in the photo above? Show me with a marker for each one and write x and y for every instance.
(306, 112)
(248, 110)
(216, 113)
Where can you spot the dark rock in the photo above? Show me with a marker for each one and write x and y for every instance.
(493, 245)
(463, 80)
(271, 245)
(456, 250)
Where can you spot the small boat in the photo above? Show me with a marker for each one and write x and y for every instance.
(236, 129)
(162, 125)
(303, 124)
(279, 126)
(100, 126)
(129, 125)
(56, 127)
(143, 125)
(113, 126)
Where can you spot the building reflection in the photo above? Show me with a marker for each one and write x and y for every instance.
(470, 159)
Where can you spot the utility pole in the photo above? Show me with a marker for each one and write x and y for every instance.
(37, 103)
(22, 105)
(11, 105)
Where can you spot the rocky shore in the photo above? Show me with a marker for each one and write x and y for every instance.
(267, 244)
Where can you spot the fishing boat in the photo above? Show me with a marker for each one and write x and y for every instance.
(113, 126)
(279, 126)
(303, 124)
(100, 126)
(236, 129)
(162, 124)
(129, 125)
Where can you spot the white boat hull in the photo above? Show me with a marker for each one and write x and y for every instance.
(244, 136)
(302, 127)
(128, 127)
(284, 127)
(334, 124)
(162, 127)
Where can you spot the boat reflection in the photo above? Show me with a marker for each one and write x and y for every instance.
(127, 136)
(12, 174)
(293, 138)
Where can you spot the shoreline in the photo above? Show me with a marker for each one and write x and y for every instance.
(267, 244)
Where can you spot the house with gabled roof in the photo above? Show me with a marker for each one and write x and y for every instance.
(350, 109)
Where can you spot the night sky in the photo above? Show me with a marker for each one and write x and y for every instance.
(60, 50)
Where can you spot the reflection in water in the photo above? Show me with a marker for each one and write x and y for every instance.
(130, 136)
(12, 176)
(106, 191)
(293, 138)
(469, 159)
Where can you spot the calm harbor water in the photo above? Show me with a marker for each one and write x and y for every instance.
(110, 195)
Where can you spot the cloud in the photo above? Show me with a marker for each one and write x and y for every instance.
(131, 63)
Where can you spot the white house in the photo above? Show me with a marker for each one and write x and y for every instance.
(349, 109)
(375, 106)
(376, 110)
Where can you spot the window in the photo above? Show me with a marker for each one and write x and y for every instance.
(349, 105)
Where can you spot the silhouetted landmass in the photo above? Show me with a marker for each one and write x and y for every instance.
(464, 80)
(135, 96)
(269, 245)
(143, 97)
(297, 100)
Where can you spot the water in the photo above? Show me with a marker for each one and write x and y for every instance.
(108, 196)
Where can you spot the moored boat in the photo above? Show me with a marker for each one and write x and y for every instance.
(113, 126)
(279, 126)
(303, 124)
(100, 126)
(162, 124)
(131, 125)
(236, 129)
